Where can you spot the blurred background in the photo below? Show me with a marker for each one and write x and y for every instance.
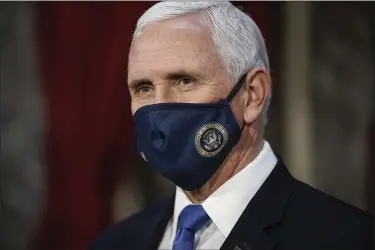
(68, 166)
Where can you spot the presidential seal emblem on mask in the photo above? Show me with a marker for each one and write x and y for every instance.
(211, 139)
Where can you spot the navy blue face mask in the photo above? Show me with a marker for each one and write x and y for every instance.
(187, 142)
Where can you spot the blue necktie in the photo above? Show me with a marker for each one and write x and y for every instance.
(191, 219)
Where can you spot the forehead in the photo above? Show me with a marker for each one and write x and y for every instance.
(182, 43)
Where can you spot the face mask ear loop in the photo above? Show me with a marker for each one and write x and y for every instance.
(234, 91)
(236, 88)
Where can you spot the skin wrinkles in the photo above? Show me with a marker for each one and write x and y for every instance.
(176, 61)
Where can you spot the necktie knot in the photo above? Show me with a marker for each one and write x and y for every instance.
(190, 220)
(192, 217)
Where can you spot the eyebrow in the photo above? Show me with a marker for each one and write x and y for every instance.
(181, 73)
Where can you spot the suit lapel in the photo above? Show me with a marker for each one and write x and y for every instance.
(264, 210)
(158, 224)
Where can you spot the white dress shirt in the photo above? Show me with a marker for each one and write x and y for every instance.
(225, 205)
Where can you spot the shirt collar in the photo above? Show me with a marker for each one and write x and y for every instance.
(228, 202)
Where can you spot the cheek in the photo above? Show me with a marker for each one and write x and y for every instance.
(200, 95)
(196, 95)
(135, 105)
(209, 93)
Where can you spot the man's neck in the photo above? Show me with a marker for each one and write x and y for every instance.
(248, 147)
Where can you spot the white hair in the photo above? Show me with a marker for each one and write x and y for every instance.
(238, 40)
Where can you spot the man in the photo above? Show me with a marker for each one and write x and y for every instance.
(199, 80)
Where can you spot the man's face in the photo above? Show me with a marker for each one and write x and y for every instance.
(175, 61)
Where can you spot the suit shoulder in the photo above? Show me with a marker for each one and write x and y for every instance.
(321, 202)
(323, 215)
(128, 231)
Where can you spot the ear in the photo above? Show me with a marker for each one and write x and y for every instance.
(257, 86)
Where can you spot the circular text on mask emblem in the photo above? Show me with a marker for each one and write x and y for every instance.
(211, 139)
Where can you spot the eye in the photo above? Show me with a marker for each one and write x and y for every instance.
(143, 88)
(186, 81)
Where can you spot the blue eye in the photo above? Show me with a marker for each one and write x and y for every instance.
(186, 81)
(143, 88)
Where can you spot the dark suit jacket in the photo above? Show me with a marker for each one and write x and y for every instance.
(284, 214)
